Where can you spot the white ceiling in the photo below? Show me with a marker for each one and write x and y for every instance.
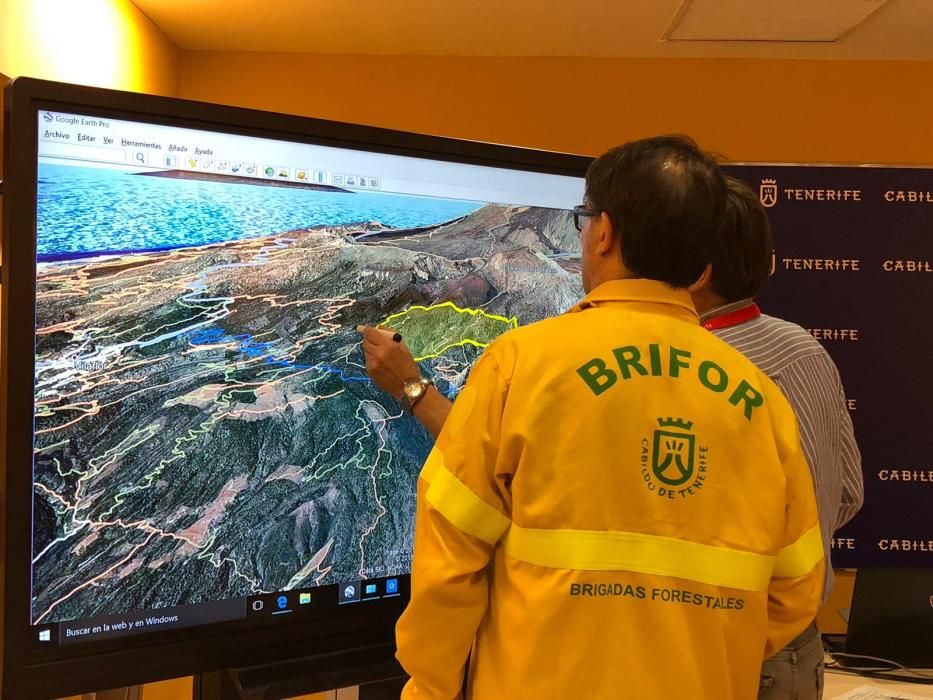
(901, 29)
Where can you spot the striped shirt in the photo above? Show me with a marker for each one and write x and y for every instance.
(806, 374)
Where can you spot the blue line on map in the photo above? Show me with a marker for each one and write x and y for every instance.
(210, 336)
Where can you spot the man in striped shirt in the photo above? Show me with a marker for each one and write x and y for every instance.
(803, 370)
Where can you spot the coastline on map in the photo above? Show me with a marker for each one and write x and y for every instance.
(369, 228)
(87, 212)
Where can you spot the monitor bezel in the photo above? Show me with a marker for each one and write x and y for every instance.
(132, 660)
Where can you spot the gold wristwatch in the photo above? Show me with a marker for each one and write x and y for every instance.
(413, 391)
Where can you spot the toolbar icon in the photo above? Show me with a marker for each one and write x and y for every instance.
(282, 602)
(249, 168)
(45, 635)
(391, 586)
(304, 599)
(258, 605)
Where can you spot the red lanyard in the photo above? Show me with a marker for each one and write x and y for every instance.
(733, 318)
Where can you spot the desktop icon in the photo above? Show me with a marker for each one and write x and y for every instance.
(258, 605)
(282, 602)
(304, 598)
(45, 635)
(391, 586)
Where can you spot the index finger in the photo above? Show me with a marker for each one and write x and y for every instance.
(373, 335)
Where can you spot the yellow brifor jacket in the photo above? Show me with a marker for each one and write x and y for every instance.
(618, 507)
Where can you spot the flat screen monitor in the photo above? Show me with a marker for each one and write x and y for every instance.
(198, 470)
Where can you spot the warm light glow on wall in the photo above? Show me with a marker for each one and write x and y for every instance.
(105, 43)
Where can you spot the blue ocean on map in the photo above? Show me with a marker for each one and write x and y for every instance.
(85, 211)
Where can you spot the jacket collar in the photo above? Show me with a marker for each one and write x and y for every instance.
(664, 299)
(725, 309)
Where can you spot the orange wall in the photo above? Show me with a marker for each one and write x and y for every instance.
(745, 109)
(105, 43)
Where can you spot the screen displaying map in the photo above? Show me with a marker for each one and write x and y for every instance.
(204, 425)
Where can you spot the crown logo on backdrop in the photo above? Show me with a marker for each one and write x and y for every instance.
(768, 194)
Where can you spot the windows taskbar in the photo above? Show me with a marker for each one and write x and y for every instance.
(293, 604)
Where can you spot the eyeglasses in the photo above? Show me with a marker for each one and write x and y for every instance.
(581, 212)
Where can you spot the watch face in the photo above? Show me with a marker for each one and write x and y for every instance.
(413, 388)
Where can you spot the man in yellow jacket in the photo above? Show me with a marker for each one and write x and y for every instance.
(618, 504)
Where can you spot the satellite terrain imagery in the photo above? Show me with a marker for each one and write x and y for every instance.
(204, 426)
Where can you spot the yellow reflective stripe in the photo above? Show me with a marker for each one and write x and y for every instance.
(589, 550)
(463, 508)
(434, 461)
(799, 558)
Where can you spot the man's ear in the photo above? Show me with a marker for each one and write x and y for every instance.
(704, 281)
(604, 235)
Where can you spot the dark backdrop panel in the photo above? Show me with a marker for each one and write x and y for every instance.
(853, 264)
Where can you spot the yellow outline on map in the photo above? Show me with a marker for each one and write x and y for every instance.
(512, 322)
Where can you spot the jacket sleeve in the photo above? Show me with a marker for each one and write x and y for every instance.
(797, 580)
(463, 510)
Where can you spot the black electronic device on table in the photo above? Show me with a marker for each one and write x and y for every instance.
(197, 473)
(891, 618)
